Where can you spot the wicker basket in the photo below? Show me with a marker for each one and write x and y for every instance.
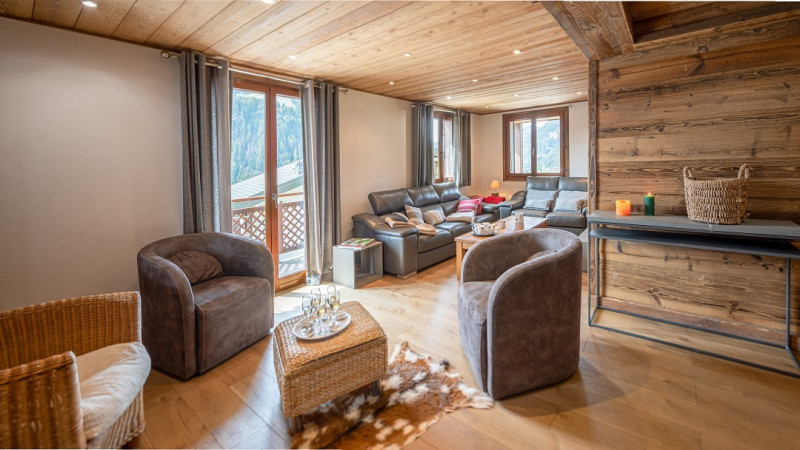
(717, 200)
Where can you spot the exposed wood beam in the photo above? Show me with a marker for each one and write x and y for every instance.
(599, 29)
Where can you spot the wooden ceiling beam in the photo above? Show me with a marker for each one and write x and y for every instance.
(599, 29)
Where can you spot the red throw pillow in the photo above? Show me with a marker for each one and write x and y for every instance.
(493, 199)
(469, 205)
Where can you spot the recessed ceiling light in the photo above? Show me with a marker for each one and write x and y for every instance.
(89, 4)
(391, 83)
(271, 2)
(487, 107)
(579, 92)
(474, 81)
(516, 95)
(555, 78)
(406, 54)
(517, 52)
(449, 97)
(292, 56)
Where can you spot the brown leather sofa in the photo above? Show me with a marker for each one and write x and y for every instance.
(574, 222)
(404, 250)
(519, 317)
(197, 313)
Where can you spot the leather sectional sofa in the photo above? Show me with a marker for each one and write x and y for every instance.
(574, 222)
(405, 250)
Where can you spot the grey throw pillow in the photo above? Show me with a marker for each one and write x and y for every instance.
(583, 196)
(568, 204)
(197, 266)
(540, 204)
(433, 216)
(399, 217)
(414, 215)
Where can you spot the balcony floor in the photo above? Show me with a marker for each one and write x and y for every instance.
(291, 262)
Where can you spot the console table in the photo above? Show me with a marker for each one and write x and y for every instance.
(754, 237)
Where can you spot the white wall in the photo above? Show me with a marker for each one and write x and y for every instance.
(488, 148)
(375, 147)
(90, 161)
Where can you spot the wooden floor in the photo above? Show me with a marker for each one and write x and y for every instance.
(628, 392)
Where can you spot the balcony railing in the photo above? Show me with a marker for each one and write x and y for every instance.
(252, 222)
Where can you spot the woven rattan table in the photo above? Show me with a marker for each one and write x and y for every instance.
(311, 373)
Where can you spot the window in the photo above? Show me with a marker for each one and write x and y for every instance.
(535, 143)
(444, 161)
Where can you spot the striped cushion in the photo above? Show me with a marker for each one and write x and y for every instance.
(433, 216)
(469, 205)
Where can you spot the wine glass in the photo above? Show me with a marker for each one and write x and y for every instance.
(333, 302)
(308, 309)
(316, 301)
(321, 311)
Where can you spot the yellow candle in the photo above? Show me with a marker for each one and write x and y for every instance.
(623, 207)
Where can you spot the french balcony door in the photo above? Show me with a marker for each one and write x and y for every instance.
(267, 173)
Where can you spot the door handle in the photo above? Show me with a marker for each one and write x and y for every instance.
(275, 200)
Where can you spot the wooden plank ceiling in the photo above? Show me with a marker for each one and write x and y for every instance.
(457, 54)
(605, 30)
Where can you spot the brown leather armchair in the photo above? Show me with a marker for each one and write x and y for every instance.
(205, 297)
(519, 308)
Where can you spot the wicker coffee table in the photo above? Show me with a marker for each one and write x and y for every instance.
(311, 373)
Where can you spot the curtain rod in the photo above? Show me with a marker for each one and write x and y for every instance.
(213, 63)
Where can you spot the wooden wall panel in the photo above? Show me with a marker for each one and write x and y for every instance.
(712, 111)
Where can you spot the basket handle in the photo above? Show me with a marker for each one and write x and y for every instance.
(687, 172)
(744, 171)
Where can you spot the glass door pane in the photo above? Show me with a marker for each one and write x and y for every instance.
(548, 145)
(290, 194)
(520, 143)
(248, 135)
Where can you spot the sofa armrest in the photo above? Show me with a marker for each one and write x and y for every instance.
(515, 202)
(372, 224)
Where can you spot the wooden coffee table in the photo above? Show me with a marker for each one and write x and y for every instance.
(467, 240)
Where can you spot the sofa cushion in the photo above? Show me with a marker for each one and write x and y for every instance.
(568, 204)
(385, 202)
(542, 183)
(110, 379)
(530, 212)
(470, 205)
(197, 266)
(230, 314)
(433, 216)
(455, 228)
(425, 242)
(447, 191)
(423, 195)
(574, 184)
(449, 207)
(566, 219)
(539, 204)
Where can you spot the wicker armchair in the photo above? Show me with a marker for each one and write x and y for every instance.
(40, 399)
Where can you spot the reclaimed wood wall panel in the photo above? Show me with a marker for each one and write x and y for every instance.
(712, 111)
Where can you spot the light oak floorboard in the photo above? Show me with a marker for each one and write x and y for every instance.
(628, 392)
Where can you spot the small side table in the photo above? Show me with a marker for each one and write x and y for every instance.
(355, 267)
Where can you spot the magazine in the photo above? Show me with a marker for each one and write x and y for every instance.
(357, 242)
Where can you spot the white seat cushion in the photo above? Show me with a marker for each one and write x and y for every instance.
(110, 378)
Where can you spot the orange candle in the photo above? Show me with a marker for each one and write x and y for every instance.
(623, 207)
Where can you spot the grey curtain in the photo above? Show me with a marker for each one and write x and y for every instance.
(463, 147)
(422, 143)
(321, 181)
(206, 118)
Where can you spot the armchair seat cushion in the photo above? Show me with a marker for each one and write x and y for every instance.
(442, 237)
(566, 219)
(110, 378)
(231, 313)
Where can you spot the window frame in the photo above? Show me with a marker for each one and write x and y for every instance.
(533, 115)
(440, 116)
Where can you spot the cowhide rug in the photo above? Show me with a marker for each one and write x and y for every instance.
(415, 393)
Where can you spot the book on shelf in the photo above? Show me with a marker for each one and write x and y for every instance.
(357, 242)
